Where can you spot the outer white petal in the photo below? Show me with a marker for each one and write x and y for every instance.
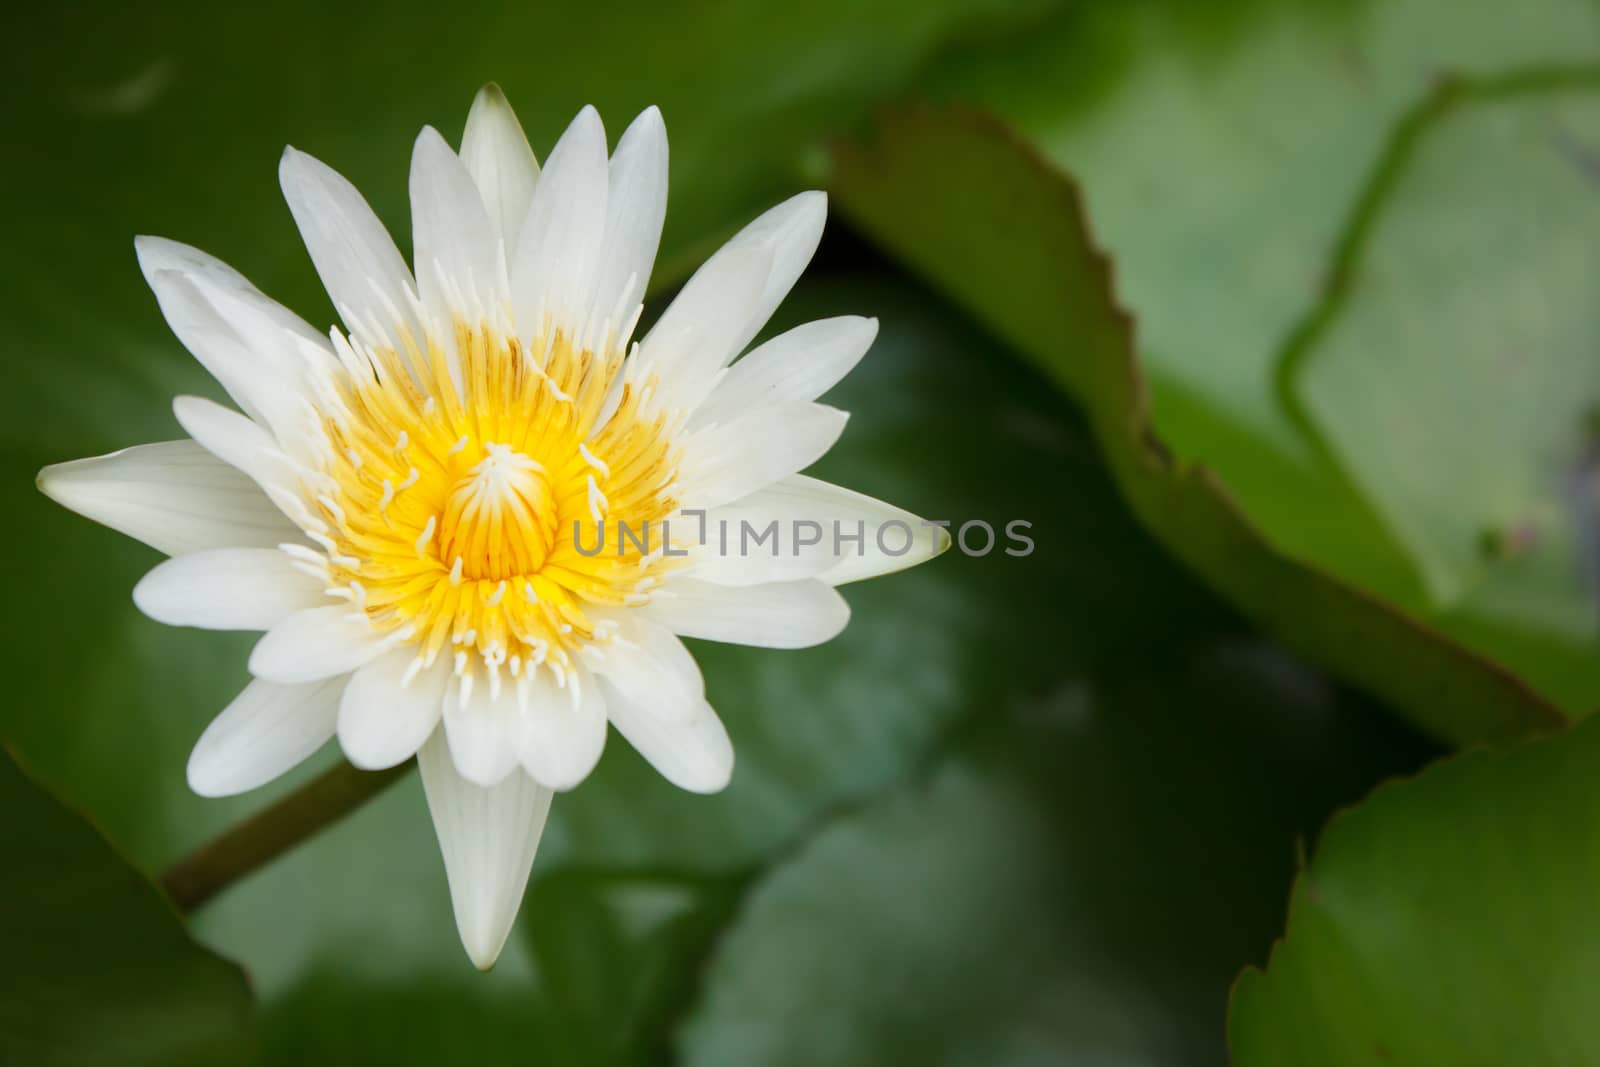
(558, 250)
(649, 665)
(784, 240)
(565, 729)
(693, 753)
(243, 444)
(485, 732)
(456, 243)
(488, 838)
(779, 615)
(801, 364)
(174, 496)
(388, 712)
(354, 255)
(227, 589)
(256, 348)
(704, 327)
(315, 644)
(636, 206)
(157, 254)
(726, 462)
(265, 731)
(817, 525)
(496, 153)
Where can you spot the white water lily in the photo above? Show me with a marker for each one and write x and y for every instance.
(402, 506)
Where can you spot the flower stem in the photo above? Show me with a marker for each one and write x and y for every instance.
(264, 836)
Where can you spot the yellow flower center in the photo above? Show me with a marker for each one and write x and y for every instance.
(464, 507)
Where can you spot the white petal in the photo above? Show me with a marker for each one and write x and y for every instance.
(485, 732)
(779, 615)
(249, 343)
(314, 644)
(649, 666)
(822, 530)
(243, 444)
(388, 710)
(693, 753)
(558, 251)
(265, 731)
(174, 496)
(488, 838)
(565, 729)
(496, 153)
(354, 255)
(723, 463)
(213, 343)
(704, 327)
(158, 254)
(456, 244)
(792, 230)
(636, 205)
(801, 364)
(227, 589)
(783, 241)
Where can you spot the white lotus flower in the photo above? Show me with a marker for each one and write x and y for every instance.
(405, 508)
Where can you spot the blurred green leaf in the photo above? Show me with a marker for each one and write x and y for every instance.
(1073, 884)
(1457, 373)
(1226, 151)
(96, 967)
(1001, 231)
(623, 957)
(1447, 919)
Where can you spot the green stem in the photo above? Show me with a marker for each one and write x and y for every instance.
(252, 844)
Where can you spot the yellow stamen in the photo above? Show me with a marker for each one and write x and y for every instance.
(447, 497)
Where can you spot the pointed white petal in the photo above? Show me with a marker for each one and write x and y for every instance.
(801, 527)
(636, 205)
(558, 251)
(216, 346)
(485, 732)
(354, 255)
(227, 589)
(801, 364)
(565, 731)
(388, 710)
(779, 615)
(792, 230)
(318, 643)
(726, 462)
(243, 444)
(158, 254)
(783, 241)
(704, 327)
(693, 753)
(456, 244)
(649, 665)
(496, 153)
(488, 838)
(265, 731)
(174, 496)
